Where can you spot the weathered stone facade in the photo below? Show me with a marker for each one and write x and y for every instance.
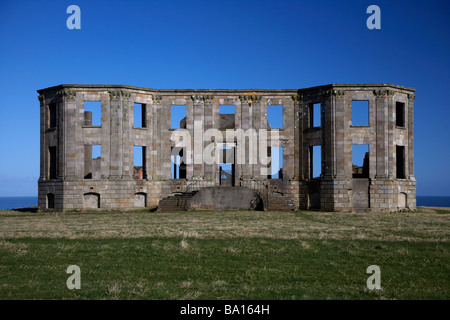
(69, 180)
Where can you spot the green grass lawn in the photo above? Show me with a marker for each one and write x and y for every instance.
(224, 255)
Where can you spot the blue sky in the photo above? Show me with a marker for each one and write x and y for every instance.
(222, 44)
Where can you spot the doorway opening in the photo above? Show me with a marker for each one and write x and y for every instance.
(227, 166)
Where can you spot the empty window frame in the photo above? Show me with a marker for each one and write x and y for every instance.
(227, 165)
(275, 116)
(140, 115)
(360, 161)
(226, 171)
(227, 109)
(177, 165)
(400, 114)
(92, 113)
(276, 163)
(400, 162)
(315, 115)
(96, 151)
(52, 115)
(177, 116)
(52, 162)
(315, 153)
(360, 112)
(226, 117)
(139, 154)
(92, 160)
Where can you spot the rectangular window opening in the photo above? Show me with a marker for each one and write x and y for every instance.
(315, 115)
(276, 163)
(92, 160)
(52, 162)
(139, 171)
(177, 165)
(226, 117)
(275, 116)
(400, 162)
(360, 112)
(226, 109)
(96, 151)
(360, 161)
(140, 115)
(400, 114)
(178, 117)
(52, 115)
(227, 166)
(315, 162)
(92, 113)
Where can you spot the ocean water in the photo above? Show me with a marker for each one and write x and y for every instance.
(21, 202)
(17, 202)
(432, 201)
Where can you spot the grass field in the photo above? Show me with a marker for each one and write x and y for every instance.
(225, 255)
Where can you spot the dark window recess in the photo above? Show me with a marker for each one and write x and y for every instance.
(400, 114)
(314, 200)
(52, 160)
(52, 115)
(400, 150)
(50, 201)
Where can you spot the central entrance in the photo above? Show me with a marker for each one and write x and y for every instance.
(227, 165)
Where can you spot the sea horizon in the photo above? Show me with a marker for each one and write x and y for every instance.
(17, 202)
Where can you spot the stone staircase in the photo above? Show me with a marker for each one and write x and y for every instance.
(175, 202)
(278, 203)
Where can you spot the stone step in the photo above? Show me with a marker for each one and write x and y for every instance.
(278, 203)
(175, 202)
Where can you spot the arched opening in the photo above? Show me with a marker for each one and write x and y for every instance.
(402, 200)
(91, 200)
(50, 201)
(140, 200)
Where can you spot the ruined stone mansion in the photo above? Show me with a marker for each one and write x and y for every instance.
(120, 155)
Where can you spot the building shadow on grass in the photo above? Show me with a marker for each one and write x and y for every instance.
(26, 209)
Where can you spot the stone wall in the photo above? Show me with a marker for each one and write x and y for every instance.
(67, 135)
